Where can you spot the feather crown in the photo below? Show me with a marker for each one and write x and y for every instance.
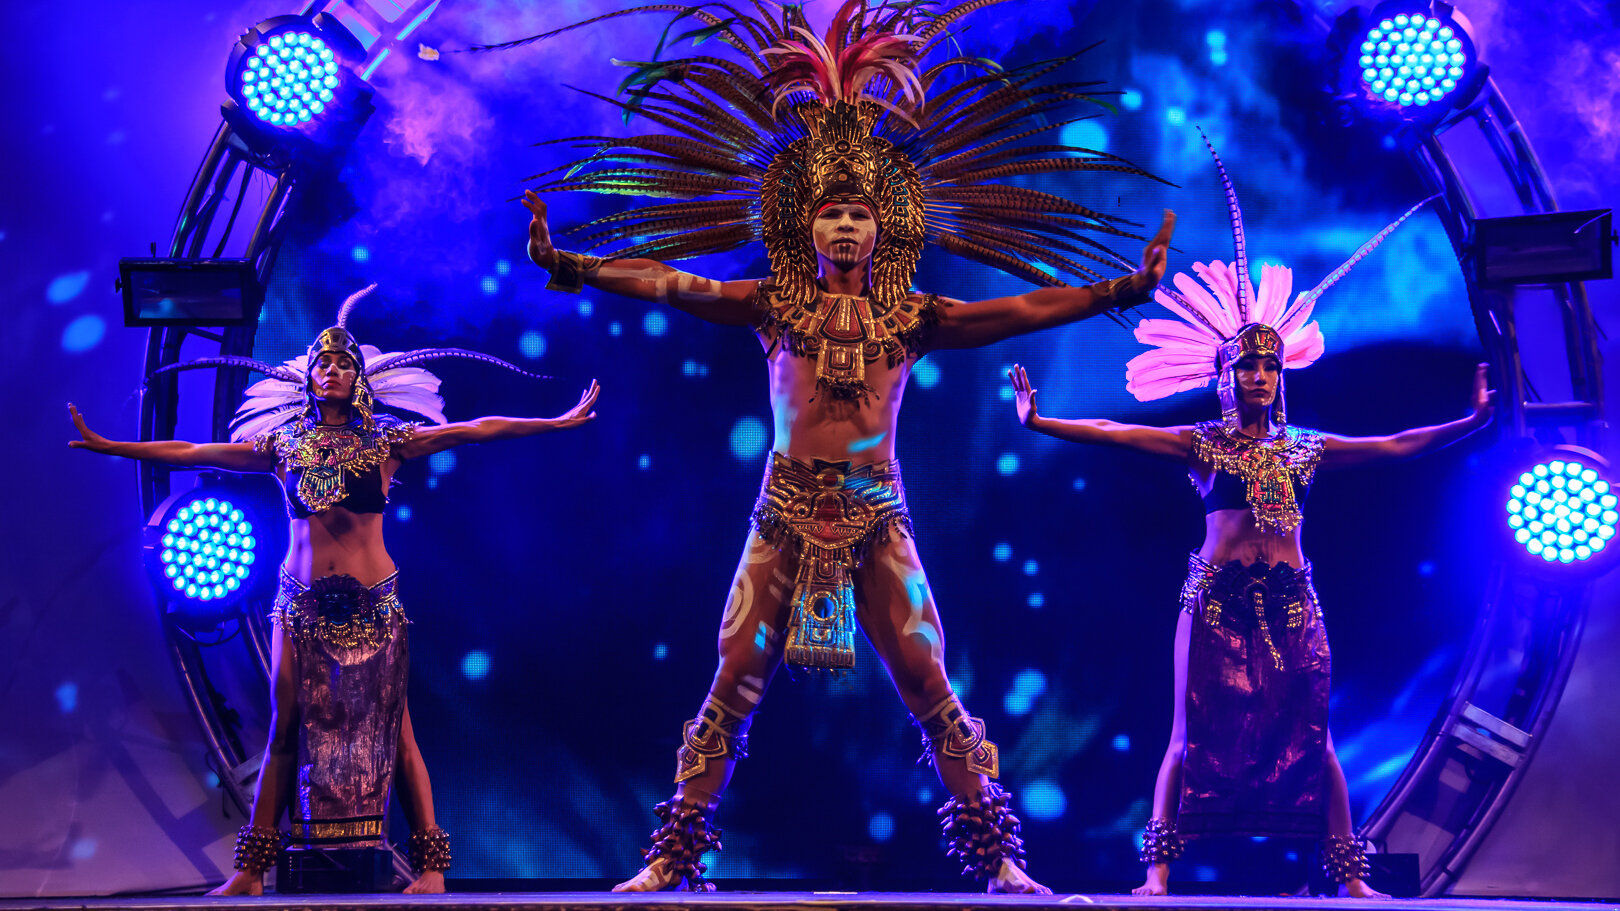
(1218, 315)
(752, 139)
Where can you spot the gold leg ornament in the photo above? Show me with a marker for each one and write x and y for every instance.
(256, 849)
(716, 733)
(949, 730)
(430, 850)
(1343, 858)
(1160, 842)
(982, 831)
(681, 840)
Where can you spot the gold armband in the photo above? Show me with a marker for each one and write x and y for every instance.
(570, 269)
(1121, 293)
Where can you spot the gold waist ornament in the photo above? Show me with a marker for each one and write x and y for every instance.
(830, 514)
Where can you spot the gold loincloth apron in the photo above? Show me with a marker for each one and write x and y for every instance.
(829, 514)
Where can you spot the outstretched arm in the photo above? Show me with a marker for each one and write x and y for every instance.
(726, 303)
(228, 456)
(1175, 442)
(964, 325)
(428, 440)
(1344, 452)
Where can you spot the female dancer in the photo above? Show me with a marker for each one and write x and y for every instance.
(1250, 752)
(340, 727)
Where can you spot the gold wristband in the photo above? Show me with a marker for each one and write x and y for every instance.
(1121, 293)
(569, 270)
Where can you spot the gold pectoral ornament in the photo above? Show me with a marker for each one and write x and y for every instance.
(1269, 468)
(843, 334)
(830, 514)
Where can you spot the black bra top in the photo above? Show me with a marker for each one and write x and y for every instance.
(363, 487)
(1230, 492)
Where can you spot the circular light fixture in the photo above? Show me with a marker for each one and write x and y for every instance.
(206, 547)
(292, 85)
(1562, 510)
(290, 79)
(1412, 60)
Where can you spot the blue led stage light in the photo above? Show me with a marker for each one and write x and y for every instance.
(1407, 65)
(293, 87)
(1412, 59)
(290, 79)
(1563, 510)
(205, 546)
(208, 549)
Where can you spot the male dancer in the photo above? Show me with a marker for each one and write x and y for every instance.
(851, 175)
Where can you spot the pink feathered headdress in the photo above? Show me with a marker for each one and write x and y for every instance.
(1187, 351)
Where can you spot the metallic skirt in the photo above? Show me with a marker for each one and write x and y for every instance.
(1258, 674)
(351, 658)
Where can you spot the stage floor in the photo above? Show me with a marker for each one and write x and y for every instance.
(792, 901)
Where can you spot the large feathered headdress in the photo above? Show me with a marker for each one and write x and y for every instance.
(390, 379)
(754, 141)
(1225, 319)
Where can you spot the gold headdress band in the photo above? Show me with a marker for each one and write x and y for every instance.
(1253, 340)
(753, 144)
(339, 340)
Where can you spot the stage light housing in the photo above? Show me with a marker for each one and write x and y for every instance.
(206, 547)
(1406, 65)
(290, 79)
(1563, 510)
(1412, 59)
(292, 85)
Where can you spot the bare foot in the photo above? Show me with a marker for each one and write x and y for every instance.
(429, 883)
(1011, 879)
(1157, 882)
(655, 877)
(1358, 888)
(241, 883)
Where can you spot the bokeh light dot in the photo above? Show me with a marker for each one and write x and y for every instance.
(1043, 800)
(83, 333)
(926, 373)
(67, 286)
(748, 438)
(880, 827)
(475, 665)
(532, 344)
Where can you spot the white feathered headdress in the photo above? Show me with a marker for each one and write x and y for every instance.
(390, 379)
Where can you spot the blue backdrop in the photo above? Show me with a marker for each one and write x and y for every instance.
(565, 591)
